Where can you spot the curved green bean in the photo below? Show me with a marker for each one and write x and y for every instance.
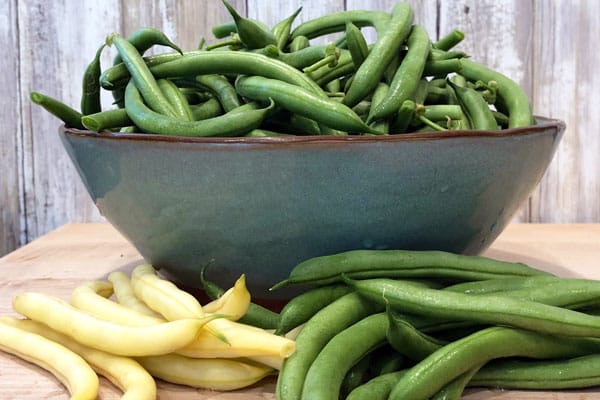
(302, 102)
(236, 122)
(408, 75)
(90, 96)
(488, 309)
(362, 264)
(313, 337)
(282, 30)
(65, 113)
(325, 376)
(336, 22)
(387, 45)
(252, 34)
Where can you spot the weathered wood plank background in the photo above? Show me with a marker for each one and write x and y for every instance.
(549, 46)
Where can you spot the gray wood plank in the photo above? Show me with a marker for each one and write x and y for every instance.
(566, 84)
(54, 55)
(10, 137)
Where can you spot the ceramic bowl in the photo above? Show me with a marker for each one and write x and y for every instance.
(259, 206)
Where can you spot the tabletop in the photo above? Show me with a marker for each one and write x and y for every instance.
(65, 258)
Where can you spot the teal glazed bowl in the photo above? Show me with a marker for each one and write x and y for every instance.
(259, 206)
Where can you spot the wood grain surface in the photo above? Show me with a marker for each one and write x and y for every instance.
(547, 46)
(58, 262)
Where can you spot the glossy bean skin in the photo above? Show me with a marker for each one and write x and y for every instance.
(509, 92)
(450, 40)
(570, 373)
(362, 264)
(236, 62)
(303, 306)
(303, 102)
(219, 86)
(142, 77)
(209, 109)
(488, 309)
(476, 108)
(315, 334)
(372, 69)
(60, 110)
(109, 119)
(283, 29)
(408, 340)
(90, 97)
(408, 75)
(233, 123)
(252, 34)
(336, 22)
(377, 388)
(430, 375)
(176, 99)
(324, 378)
(357, 45)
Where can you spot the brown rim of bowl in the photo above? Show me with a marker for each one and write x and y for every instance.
(543, 124)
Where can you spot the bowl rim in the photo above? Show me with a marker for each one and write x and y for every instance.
(543, 124)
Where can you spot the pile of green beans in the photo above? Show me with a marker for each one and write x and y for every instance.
(401, 324)
(255, 80)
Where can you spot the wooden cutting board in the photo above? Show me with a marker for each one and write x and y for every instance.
(65, 258)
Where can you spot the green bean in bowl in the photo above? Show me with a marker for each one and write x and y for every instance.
(264, 147)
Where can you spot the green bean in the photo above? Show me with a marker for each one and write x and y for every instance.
(371, 70)
(504, 285)
(106, 120)
(117, 76)
(440, 112)
(515, 99)
(380, 93)
(355, 375)
(431, 374)
(362, 264)
(67, 114)
(176, 99)
(386, 359)
(476, 108)
(233, 123)
(90, 96)
(488, 309)
(265, 133)
(303, 306)
(336, 22)
(408, 340)
(334, 88)
(437, 54)
(441, 68)
(252, 34)
(357, 45)
(377, 388)
(209, 109)
(326, 74)
(450, 40)
(408, 75)
(236, 62)
(455, 388)
(313, 337)
(324, 378)
(283, 29)
(144, 38)
(301, 101)
(299, 43)
(224, 30)
(304, 57)
(141, 75)
(571, 373)
(256, 315)
(332, 55)
(219, 87)
(404, 117)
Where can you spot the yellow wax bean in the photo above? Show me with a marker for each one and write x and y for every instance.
(124, 372)
(87, 299)
(242, 341)
(234, 302)
(216, 374)
(164, 296)
(125, 295)
(69, 368)
(105, 335)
